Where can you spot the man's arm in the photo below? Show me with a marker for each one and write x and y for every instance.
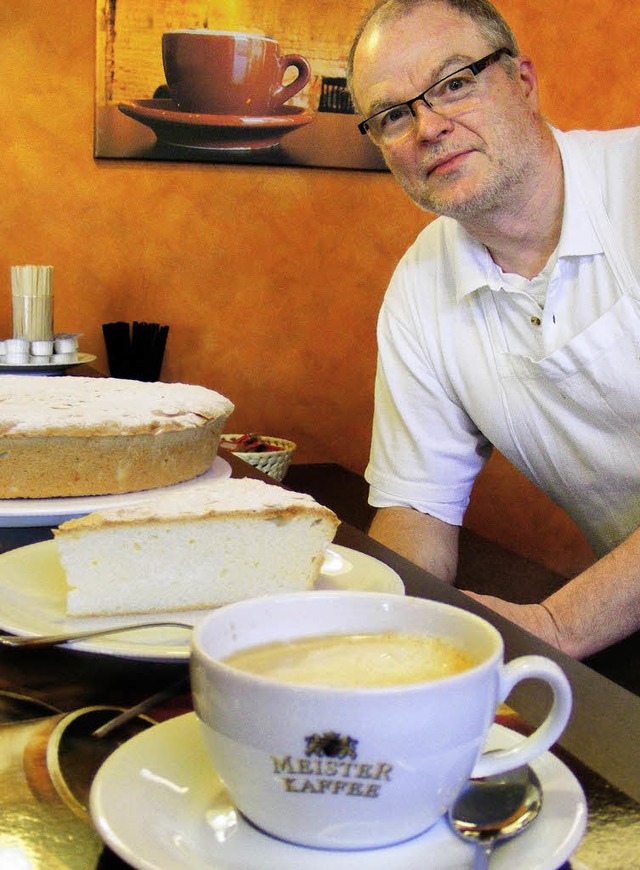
(428, 542)
(597, 608)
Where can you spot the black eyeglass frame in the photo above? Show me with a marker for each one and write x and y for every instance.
(475, 68)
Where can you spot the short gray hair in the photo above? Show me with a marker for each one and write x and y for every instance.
(489, 21)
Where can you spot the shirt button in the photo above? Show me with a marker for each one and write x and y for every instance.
(536, 321)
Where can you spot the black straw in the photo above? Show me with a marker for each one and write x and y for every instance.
(135, 354)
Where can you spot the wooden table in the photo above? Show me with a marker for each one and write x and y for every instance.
(601, 744)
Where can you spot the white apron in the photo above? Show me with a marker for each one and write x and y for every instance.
(591, 469)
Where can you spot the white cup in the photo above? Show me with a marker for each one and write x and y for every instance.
(355, 768)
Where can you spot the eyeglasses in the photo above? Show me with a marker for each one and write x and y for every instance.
(449, 95)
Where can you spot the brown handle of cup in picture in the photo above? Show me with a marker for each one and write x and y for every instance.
(285, 92)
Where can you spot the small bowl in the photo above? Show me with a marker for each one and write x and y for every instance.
(273, 462)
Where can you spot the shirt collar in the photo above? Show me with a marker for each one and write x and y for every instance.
(473, 265)
(578, 237)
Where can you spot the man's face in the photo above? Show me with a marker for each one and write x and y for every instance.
(470, 163)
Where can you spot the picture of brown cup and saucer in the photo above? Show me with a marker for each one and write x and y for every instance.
(225, 90)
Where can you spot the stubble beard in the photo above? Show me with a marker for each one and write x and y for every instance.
(510, 163)
(442, 197)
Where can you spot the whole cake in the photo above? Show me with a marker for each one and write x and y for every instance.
(219, 542)
(72, 436)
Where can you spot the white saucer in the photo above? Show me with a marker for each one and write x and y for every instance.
(33, 592)
(53, 511)
(45, 368)
(214, 132)
(159, 805)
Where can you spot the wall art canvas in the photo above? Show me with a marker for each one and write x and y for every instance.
(231, 81)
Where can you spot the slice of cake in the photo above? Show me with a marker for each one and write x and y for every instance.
(73, 436)
(220, 542)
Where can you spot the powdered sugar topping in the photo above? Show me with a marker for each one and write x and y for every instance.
(107, 406)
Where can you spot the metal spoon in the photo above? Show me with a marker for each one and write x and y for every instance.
(54, 639)
(495, 808)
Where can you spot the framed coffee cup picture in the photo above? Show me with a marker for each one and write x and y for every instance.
(231, 81)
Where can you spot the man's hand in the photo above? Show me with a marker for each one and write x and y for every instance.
(589, 613)
(534, 618)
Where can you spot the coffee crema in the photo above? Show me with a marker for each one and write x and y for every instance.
(354, 661)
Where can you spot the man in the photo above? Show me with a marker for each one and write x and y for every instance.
(514, 319)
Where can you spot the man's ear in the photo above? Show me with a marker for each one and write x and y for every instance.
(528, 78)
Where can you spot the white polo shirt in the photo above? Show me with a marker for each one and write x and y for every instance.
(470, 358)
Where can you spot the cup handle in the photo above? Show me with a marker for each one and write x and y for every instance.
(526, 668)
(285, 92)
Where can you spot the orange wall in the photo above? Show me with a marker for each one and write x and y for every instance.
(270, 278)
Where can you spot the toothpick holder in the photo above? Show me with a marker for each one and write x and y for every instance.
(32, 317)
(32, 302)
